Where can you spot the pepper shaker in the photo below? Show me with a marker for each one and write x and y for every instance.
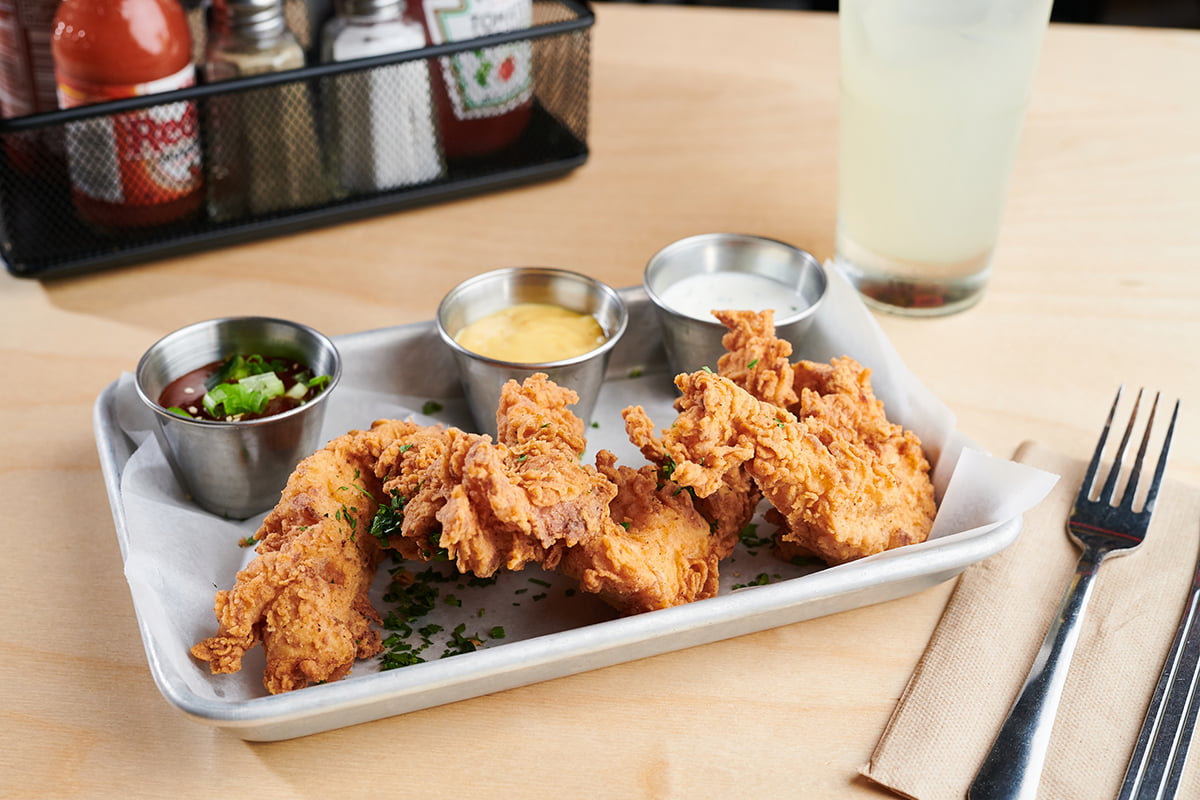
(264, 151)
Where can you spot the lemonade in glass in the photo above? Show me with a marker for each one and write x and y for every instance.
(933, 94)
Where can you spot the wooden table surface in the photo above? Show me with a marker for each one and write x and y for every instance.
(702, 120)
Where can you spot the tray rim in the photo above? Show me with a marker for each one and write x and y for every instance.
(883, 577)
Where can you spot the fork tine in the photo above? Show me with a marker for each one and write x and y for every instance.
(1135, 474)
(1110, 485)
(1089, 478)
(1152, 494)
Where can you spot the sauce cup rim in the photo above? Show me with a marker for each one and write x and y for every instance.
(809, 309)
(610, 339)
(157, 408)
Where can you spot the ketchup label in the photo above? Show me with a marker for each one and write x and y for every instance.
(492, 80)
(142, 157)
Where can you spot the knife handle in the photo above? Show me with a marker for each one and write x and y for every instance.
(1156, 765)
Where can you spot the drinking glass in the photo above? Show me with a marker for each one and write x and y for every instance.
(933, 94)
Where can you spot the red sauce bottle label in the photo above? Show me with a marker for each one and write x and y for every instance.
(137, 158)
(490, 81)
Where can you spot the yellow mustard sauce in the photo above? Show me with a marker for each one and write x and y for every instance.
(532, 333)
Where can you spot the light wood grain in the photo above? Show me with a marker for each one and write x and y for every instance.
(702, 120)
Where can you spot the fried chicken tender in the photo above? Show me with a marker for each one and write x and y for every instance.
(728, 508)
(657, 550)
(839, 395)
(504, 505)
(841, 497)
(305, 594)
(755, 359)
(628, 535)
(417, 473)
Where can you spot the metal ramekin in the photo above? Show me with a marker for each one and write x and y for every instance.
(477, 297)
(236, 469)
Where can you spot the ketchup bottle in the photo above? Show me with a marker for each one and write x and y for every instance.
(484, 97)
(136, 168)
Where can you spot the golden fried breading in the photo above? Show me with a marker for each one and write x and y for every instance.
(536, 411)
(841, 498)
(418, 476)
(305, 594)
(507, 504)
(715, 433)
(755, 359)
(512, 509)
(839, 395)
(657, 552)
(401, 468)
(728, 508)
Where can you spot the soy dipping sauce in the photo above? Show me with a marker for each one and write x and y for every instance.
(187, 392)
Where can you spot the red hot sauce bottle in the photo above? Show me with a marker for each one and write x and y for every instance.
(137, 168)
(484, 97)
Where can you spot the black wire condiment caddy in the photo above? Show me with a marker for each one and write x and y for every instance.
(43, 234)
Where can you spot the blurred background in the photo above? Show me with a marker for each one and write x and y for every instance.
(1154, 13)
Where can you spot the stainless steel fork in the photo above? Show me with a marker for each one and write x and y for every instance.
(1102, 527)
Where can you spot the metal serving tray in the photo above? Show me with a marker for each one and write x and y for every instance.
(550, 631)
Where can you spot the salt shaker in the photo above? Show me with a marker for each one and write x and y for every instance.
(264, 151)
(380, 120)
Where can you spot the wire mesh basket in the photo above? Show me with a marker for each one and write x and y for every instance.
(287, 151)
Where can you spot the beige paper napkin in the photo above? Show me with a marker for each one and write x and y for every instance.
(993, 624)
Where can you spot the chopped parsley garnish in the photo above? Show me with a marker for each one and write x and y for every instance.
(752, 364)
(751, 540)
(761, 580)
(389, 518)
(398, 653)
(667, 468)
(431, 407)
(460, 642)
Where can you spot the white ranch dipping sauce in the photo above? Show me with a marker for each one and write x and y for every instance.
(696, 296)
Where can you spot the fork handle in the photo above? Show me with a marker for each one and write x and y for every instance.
(1013, 767)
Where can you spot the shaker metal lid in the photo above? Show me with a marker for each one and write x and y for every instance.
(372, 9)
(254, 17)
